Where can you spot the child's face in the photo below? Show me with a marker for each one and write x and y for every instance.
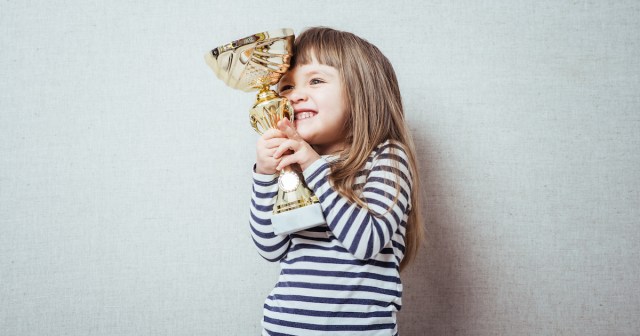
(316, 93)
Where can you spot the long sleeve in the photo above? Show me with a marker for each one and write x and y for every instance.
(365, 231)
(270, 246)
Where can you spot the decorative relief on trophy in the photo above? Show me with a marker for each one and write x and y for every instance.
(255, 63)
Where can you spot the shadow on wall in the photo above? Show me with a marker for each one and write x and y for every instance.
(435, 283)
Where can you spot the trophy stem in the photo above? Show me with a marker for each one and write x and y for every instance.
(268, 109)
(265, 94)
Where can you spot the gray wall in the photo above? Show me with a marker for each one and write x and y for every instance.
(125, 165)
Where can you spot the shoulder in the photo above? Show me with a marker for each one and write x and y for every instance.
(391, 150)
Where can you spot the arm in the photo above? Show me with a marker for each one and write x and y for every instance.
(270, 246)
(365, 231)
(265, 189)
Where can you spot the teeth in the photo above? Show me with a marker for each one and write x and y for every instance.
(304, 115)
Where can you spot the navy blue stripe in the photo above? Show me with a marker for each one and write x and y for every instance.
(392, 197)
(386, 194)
(398, 246)
(262, 208)
(350, 275)
(320, 228)
(336, 301)
(371, 157)
(380, 204)
(358, 186)
(369, 252)
(260, 221)
(337, 248)
(387, 250)
(389, 144)
(376, 226)
(358, 237)
(395, 216)
(268, 195)
(347, 225)
(393, 170)
(333, 287)
(352, 217)
(317, 172)
(318, 239)
(316, 247)
(338, 217)
(404, 225)
(271, 248)
(274, 259)
(322, 313)
(265, 184)
(380, 192)
(393, 157)
(325, 196)
(384, 149)
(388, 209)
(320, 327)
(322, 181)
(263, 235)
(391, 183)
(380, 218)
(325, 260)
(363, 172)
(273, 333)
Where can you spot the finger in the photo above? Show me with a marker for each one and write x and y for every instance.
(287, 128)
(286, 146)
(274, 142)
(273, 133)
(286, 160)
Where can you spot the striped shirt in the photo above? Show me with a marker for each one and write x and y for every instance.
(340, 278)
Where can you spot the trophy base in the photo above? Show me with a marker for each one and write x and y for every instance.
(291, 221)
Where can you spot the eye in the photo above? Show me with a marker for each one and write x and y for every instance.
(285, 87)
(316, 81)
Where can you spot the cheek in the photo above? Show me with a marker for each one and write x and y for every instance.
(285, 95)
(342, 114)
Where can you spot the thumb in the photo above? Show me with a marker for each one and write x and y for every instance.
(288, 129)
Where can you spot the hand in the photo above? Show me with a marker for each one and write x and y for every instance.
(267, 144)
(302, 154)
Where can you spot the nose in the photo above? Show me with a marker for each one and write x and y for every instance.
(296, 95)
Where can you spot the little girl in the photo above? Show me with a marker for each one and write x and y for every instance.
(356, 154)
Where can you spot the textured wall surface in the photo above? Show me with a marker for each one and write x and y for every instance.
(125, 165)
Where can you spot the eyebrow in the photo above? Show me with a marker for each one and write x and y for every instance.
(316, 72)
(288, 78)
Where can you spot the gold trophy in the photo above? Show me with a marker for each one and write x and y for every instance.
(255, 63)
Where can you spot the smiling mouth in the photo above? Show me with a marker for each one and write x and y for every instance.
(304, 115)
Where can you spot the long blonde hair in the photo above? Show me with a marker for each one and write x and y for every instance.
(376, 114)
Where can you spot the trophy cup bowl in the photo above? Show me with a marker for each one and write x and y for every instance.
(255, 63)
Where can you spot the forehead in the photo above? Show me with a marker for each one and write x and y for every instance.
(309, 69)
